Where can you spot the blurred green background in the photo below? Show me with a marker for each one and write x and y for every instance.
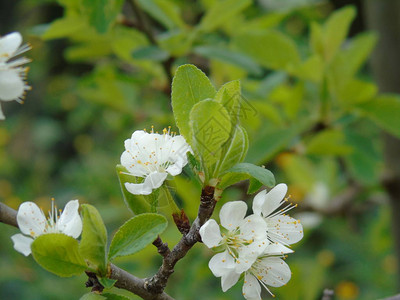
(102, 69)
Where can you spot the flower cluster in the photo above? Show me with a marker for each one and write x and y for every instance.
(153, 156)
(12, 72)
(33, 223)
(254, 245)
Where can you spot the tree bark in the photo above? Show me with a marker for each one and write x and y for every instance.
(383, 16)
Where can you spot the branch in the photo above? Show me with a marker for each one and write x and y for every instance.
(124, 279)
(157, 283)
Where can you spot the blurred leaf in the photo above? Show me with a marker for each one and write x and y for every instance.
(94, 238)
(384, 110)
(102, 13)
(312, 69)
(137, 203)
(211, 127)
(290, 96)
(107, 282)
(228, 56)
(220, 12)
(151, 53)
(328, 142)
(59, 254)
(272, 49)
(244, 171)
(93, 296)
(64, 27)
(357, 91)
(110, 296)
(136, 234)
(164, 11)
(190, 86)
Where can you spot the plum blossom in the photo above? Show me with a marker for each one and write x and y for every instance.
(242, 238)
(33, 223)
(281, 228)
(153, 156)
(12, 72)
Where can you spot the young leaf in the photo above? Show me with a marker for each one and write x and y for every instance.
(220, 12)
(110, 296)
(229, 95)
(136, 233)
(211, 127)
(234, 151)
(190, 86)
(94, 238)
(384, 110)
(328, 142)
(271, 49)
(164, 11)
(59, 254)
(101, 13)
(138, 204)
(244, 171)
(107, 282)
(92, 296)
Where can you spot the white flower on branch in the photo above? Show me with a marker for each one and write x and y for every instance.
(281, 228)
(12, 72)
(242, 238)
(153, 156)
(32, 222)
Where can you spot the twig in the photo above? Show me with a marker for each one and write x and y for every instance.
(162, 248)
(157, 283)
(93, 282)
(8, 215)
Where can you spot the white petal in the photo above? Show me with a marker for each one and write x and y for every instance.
(174, 169)
(221, 263)
(9, 44)
(277, 272)
(251, 287)
(22, 243)
(70, 222)
(258, 202)
(11, 85)
(249, 254)
(210, 233)
(273, 199)
(277, 249)
(132, 165)
(284, 229)
(2, 116)
(253, 227)
(232, 214)
(228, 280)
(152, 181)
(31, 220)
(138, 134)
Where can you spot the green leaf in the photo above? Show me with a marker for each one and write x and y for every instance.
(384, 110)
(107, 282)
(64, 27)
(138, 204)
(211, 127)
(151, 53)
(246, 170)
(328, 142)
(356, 91)
(136, 234)
(230, 96)
(231, 57)
(336, 29)
(220, 12)
(101, 13)
(94, 238)
(92, 296)
(190, 86)
(312, 69)
(271, 49)
(234, 151)
(59, 254)
(110, 296)
(164, 11)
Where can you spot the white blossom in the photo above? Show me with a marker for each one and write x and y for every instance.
(33, 223)
(281, 228)
(12, 72)
(242, 238)
(153, 156)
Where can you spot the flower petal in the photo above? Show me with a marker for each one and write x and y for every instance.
(253, 227)
(30, 219)
(12, 85)
(228, 280)
(152, 181)
(251, 287)
(232, 214)
(258, 202)
(210, 233)
(277, 249)
(221, 263)
(22, 243)
(284, 229)
(174, 169)
(70, 221)
(10, 43)
(273, 199)
(249, 254)
(277, 272)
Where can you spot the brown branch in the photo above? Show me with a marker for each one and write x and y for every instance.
(157, 283)
(124, 279)
(162, 248)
